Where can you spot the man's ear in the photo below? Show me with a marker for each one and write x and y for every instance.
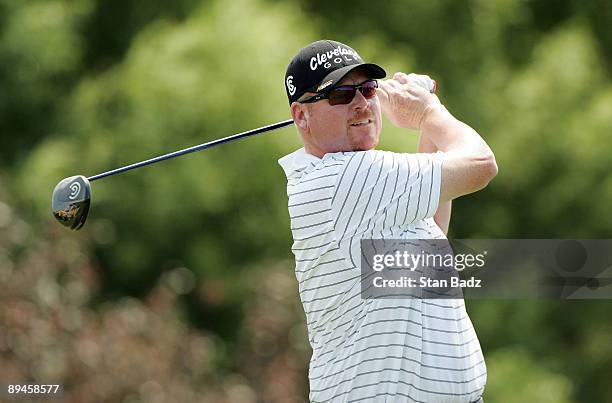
(298, 113)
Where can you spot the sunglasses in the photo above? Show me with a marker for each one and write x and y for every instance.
(344, 94)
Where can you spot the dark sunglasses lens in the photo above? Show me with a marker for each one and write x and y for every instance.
(368, 89)
(341, 96)
(368, 92)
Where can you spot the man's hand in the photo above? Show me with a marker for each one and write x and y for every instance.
(405, 100)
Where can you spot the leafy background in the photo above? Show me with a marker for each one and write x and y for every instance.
(180, 287)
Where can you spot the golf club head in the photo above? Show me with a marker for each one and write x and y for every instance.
(70, 201)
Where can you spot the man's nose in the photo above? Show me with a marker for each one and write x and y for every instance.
(359, 101)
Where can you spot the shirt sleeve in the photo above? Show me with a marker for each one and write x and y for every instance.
(379, 190)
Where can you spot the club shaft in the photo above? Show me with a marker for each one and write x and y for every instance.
(199, 147)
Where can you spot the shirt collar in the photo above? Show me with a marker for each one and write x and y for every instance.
(297, 161)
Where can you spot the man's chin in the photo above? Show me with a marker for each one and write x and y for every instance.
(366, 143)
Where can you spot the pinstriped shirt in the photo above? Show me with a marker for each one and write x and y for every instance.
(381, 350)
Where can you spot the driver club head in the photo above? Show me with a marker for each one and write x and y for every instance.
(70, 201)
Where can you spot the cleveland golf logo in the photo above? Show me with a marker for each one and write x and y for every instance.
(75, 189)
(337, 56)
(290, 87)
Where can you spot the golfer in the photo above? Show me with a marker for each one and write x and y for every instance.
(341, 189)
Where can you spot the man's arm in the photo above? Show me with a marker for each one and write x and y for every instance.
(443, 214)
(469, 163)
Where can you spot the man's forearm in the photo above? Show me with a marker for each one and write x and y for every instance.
(443, 214)
(447, 133)
(469, 163)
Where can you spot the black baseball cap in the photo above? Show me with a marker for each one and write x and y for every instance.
(321, 65)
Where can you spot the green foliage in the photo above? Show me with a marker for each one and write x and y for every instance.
(112, 25)
(40, 51)
(549, 127)
(515, 373)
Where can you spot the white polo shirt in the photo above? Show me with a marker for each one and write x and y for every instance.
(412, 350)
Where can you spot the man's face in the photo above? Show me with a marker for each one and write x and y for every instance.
(351, 127)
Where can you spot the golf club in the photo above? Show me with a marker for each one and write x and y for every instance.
(72, 196)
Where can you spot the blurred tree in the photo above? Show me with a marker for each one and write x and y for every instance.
(549, 124)
(112, 25)
(47, 46)
(524, 379)
(40, 54)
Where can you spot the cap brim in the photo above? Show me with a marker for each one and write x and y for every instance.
(333, 78)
